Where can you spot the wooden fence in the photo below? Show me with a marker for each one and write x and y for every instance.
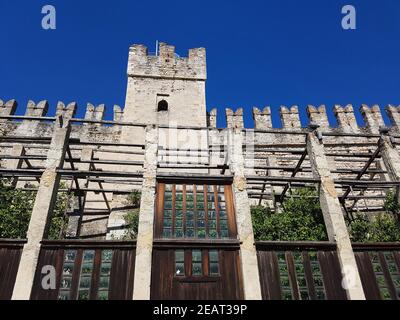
(85, 270)
(10, 255)
(299, 271)
(379, 268)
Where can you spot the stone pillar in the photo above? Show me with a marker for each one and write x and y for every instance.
(334, 219)
(42, 210)
(144, 245)
(248, 253)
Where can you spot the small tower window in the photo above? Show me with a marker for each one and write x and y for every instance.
(162, 106)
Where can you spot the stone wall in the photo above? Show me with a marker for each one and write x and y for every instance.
(178, 81)
(274, 145)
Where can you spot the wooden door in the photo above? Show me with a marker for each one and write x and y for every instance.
(196, 252)
(193, 274)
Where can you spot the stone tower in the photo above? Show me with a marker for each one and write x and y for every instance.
(166, 89)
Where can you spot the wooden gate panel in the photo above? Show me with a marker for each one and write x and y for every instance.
(10, 256)
(299, 271)
(122, 274)
(332, 275)
(48, 257)
(379, 269)
(162, 273)
(231, 275)
(367, 275)
(269, 277)
(93, 274)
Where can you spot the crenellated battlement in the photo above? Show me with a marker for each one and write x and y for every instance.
(394, 115)
(212, 118)
(41, 109)
(164, 89)
(36, 120)
(95, 112)
(68, 111)
(167, 64)
(37, 109)
(8, 108)
(318, 115)
(346, 118)
(373, 116)
(290, 117)
(262, 118)
(234, 119)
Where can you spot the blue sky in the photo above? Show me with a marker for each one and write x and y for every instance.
(274, 52)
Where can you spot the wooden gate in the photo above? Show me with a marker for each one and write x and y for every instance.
(10, 255)
(196, 251)
(86, 270)
(379, 268)
(299, 271)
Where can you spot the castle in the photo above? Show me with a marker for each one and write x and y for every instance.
(197, 183)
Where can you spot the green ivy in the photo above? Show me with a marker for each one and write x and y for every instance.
(134, 198)
(132, 217)
(392, 204)
(16, 207)
(382, 228)
(15, 211)
(300, 220)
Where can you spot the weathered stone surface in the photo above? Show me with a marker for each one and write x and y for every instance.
(372, 117)
(179, 81)
(144, 246)
(346, 118)
(234, 119)
(333, 216)
(394, 115)
(212, 118)
(318, 115)
(290, 118)
(391, 158)
(42, 209)
(68, 111)
(248, 254)
(8, 108)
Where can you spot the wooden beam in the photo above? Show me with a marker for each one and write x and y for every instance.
(362, 172)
